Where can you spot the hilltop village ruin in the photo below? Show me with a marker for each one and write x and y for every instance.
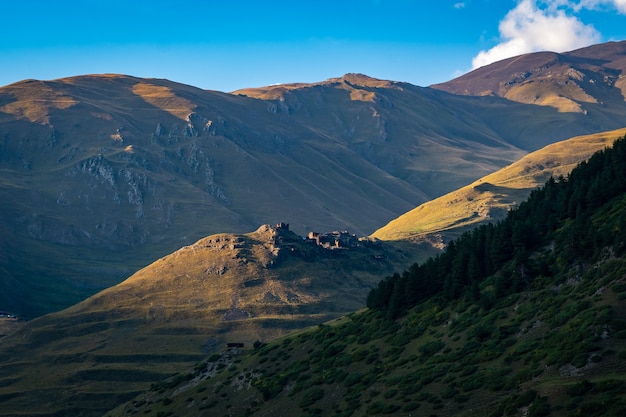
(330, 240)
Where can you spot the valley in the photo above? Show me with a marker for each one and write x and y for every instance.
(103, 174)
(147, 225)
(534, 328)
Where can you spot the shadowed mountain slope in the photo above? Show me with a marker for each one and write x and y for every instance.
(102, 174)
(534, 328)
(491, 197)
(224, 288)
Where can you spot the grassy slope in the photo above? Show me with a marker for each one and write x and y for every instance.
(558, 348)
(489, 198)
(579, 81)
(111, 345)
(171, 314)
(107, 173)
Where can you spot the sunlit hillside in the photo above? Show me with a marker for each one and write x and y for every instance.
(222, 289)
(536, 328)
(489, 198)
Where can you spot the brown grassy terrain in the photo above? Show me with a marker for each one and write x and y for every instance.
(102, 174)
(571, 82)
(172, 314)
(489, 198)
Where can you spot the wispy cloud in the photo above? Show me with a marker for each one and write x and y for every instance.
(539, 25)
(619, 5)
(459, 5)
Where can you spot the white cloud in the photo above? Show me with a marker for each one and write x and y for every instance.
(619, 5)
(531, 28)
(461, 5)
(578, 5)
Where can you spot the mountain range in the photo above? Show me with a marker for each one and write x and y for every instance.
(228, 288)
(105, 174)
(520, 318)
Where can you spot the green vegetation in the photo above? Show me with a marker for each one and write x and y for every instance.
(367, 364)
(561, 214)
(537, 332)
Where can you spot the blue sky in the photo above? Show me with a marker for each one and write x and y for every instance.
(227, 45)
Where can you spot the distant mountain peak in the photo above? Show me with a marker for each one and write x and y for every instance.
(347, 81)
(362, 80)
(568, 81)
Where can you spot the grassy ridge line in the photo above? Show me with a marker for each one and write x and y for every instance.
(490, 197)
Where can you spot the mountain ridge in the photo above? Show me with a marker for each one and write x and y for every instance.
(570, 81)
(142, 165)
(162, 174)
(490, 198)
(106, 173)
